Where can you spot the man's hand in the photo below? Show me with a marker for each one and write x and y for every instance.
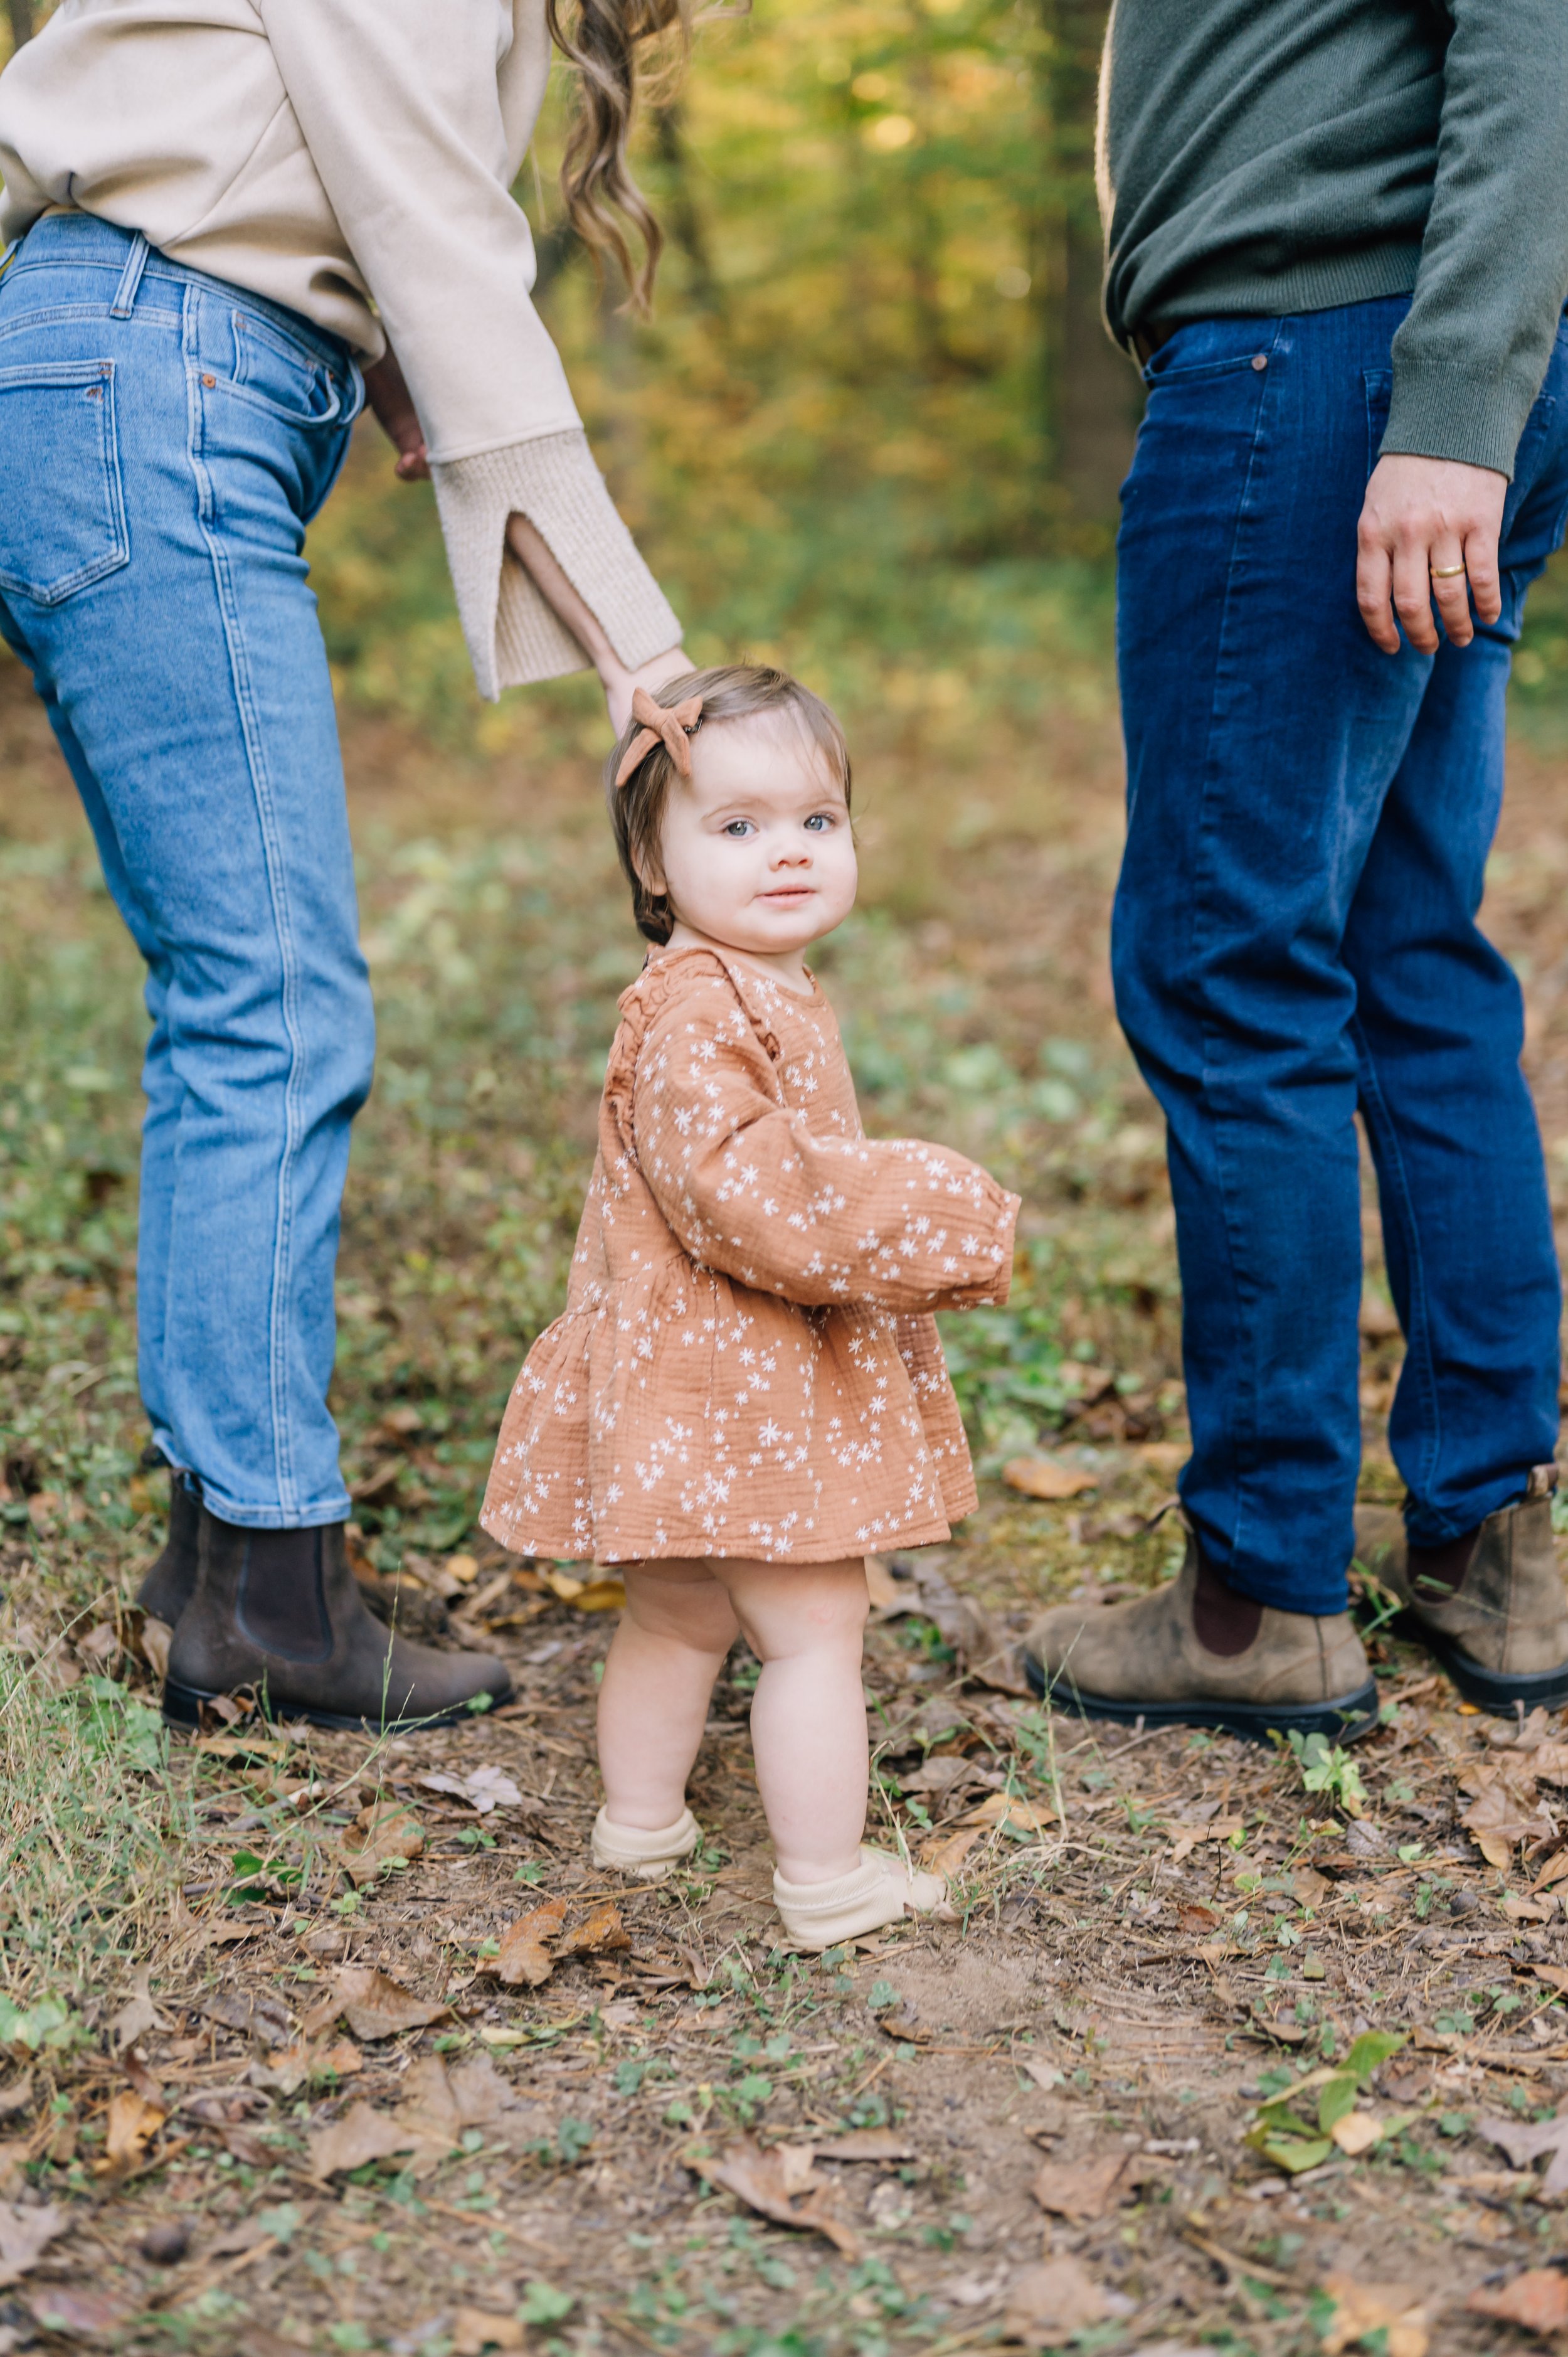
(1422, 517)
(392, 402)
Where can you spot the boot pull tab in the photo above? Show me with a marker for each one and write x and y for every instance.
(1542, 1481)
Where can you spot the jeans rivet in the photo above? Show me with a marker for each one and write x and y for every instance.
(212, 380)
(1260, 360)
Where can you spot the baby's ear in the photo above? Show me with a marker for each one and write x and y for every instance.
(649, 873)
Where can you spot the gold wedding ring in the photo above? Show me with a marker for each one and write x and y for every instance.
(1446, 572)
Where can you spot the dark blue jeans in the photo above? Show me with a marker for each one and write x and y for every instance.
(1295, 940)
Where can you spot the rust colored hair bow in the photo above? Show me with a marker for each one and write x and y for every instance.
(671, 725)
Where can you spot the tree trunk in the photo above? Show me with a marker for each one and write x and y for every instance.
(21, 12)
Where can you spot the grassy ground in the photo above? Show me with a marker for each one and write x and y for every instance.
(1153, 1937)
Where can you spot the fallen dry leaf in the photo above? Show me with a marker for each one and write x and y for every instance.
(1555, 1975)
(1361, 2309)
(373, 2005)
(866, 2144)
(1050, 2302)
(1526, 2140)
(254, 2012)
(888, 1594)
(155, 1639)
(1006, 1809)
(1185, 1839)
(1537, 2299)
(483, 1789)
(758, 2179)
(523, 1959)
(24, 2237)
(292, 2067)
(77, 2314)
(1042, 1477)
(586, 1594)
(1081, 2189)
(136, 2016)
(475, 2330)
(1555, 1870)
(132, 2124)
(600, 1934)
(386, 1831)
(361, 2135)
(947, 1852)
(1356, 2132)
(17, 2096)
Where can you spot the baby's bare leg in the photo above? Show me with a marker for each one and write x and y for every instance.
(804, 1622)
(677, 1628)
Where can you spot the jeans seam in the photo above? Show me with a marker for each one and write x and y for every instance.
(1245, 1461)
(240, 676)
(1418, 1332)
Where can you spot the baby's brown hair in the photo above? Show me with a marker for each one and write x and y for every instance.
(728, 692)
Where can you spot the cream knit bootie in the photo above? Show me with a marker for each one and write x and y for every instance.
(820, 1914)
(649, 1855)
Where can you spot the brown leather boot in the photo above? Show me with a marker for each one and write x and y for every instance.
(1491, 1606)
(170, 1582)
(1195, 1653)
(280, 1612)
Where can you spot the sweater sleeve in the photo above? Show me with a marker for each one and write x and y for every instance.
(751, 1191)
(1470, 354)
(401, 107)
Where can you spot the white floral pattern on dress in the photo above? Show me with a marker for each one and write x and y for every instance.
(747, 1364)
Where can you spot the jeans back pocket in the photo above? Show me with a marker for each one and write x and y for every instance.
(278, 374)
(62, 515)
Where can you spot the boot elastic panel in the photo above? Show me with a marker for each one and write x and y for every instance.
(170, 1581)
(281, 1605)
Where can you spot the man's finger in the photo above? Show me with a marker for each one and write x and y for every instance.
(1374, 579)
(1451, 590)
(1412, 597)
(1481, 563)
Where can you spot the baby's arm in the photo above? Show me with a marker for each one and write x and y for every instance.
(751, 1191)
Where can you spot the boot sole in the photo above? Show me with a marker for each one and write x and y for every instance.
(182, 1705)
(1346, 1717)
(1498, 1692)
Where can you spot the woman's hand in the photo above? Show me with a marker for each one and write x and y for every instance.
(620, 684)
(1429, 530)
(534, 556)
(386, 390)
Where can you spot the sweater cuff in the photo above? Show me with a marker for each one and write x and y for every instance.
(1440, 412)
(514, 635)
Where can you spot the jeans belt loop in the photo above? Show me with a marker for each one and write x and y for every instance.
(124, 301)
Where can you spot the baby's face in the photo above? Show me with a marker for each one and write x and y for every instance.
(757, 849)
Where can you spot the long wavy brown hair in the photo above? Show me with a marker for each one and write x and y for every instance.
(602, 197)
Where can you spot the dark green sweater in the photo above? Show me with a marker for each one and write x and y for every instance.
(1279, 155)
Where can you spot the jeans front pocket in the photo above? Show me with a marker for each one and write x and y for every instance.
(62, 515)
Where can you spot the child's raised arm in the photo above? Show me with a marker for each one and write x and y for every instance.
(751, 1191)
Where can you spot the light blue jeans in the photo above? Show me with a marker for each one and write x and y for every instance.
(164, 439)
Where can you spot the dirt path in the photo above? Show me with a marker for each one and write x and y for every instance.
(582, 2132)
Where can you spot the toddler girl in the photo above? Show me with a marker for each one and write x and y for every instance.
(747, 1390)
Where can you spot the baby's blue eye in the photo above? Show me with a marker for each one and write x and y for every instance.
(820, 821)
(738, 828)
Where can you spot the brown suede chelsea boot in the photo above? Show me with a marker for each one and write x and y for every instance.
(170, 1582)
(1197, 1653)
(1490, 1605)
(279, 1613)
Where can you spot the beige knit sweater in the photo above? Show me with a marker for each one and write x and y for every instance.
(354, 159)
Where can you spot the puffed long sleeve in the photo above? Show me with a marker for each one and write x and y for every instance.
(752, 1191)
(413, 123)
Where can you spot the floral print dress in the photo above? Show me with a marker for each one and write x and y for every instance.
(747, 1364)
